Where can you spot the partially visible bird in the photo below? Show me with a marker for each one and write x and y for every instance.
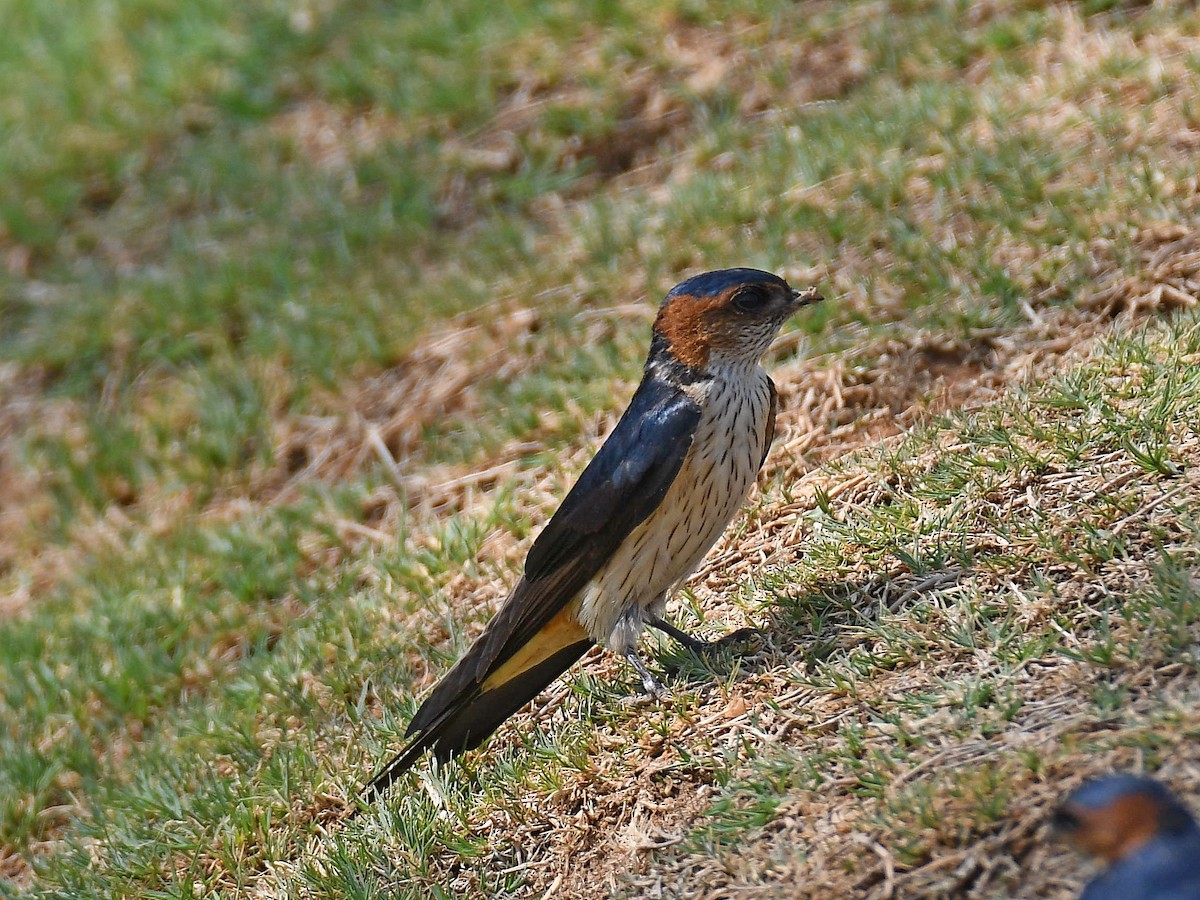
(645, 511)
(1146, 835)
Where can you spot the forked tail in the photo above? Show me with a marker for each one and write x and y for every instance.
(462, 710)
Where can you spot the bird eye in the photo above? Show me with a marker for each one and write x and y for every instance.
(1065, 820)
(749, 300)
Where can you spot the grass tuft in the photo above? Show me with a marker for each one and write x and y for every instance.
(310, 315)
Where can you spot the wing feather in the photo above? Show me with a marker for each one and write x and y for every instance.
(771, 412)
(624, 483)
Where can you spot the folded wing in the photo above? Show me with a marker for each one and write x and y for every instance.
(534, 637)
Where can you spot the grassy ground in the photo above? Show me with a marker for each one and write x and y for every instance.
(309, 314)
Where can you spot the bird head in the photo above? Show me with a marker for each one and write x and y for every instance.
(1112, 817)
(726, 317)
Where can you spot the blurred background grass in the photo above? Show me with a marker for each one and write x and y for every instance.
(228, 227)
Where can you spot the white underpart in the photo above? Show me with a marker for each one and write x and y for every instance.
(711, 486)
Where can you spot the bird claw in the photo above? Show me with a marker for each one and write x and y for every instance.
(700, 647)
(651, 685)
(740, 636)
(654, 688)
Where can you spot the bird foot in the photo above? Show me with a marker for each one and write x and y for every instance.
(699, 647)
(651, 685)
(738, 636)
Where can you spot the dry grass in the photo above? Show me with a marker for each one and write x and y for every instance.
(637, 801)
(602, 827)
(645, 134)
(904, 802)
(27, 504)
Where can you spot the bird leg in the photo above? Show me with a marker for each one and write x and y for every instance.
(650, 684)
(698, 646)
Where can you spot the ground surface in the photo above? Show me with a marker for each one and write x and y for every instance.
(310, 313)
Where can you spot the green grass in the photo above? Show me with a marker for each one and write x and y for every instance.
(223, 229)
(1124, 515)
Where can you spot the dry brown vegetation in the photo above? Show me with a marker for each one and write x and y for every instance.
(635, 799)
(1120, 103)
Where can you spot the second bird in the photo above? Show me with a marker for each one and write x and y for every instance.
(649, 506)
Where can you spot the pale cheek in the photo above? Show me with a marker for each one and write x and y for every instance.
(747, 342)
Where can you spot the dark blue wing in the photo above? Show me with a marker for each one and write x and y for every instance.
(772, 411)
(622, 485)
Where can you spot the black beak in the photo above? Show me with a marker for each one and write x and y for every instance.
(806, 297)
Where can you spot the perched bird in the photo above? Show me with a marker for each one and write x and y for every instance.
(645, 511)
(1146, 835)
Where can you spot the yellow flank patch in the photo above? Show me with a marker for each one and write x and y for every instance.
(561, 631)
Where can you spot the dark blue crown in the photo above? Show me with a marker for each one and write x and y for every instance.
(709, 284)
(1103, 792)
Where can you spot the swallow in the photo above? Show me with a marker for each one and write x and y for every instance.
(647, 508)
(1147, 836)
